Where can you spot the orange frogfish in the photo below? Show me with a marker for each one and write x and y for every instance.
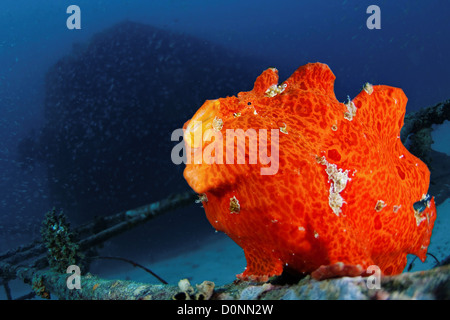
(307, 184)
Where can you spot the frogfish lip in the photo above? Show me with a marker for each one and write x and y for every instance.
(199, 128)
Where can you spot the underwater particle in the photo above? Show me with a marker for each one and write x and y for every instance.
(217, 124)
(235, 207)
(275, 90)
(368, 88)
(380, 205)
(351, 110)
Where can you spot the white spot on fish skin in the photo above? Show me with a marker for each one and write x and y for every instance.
(351, 110)
(380, 205)
(275, 90)
(235, 207)
(217, 124)
(419, 219)
(338, 181)
(283, 129)
(201, 198)
(368, 88)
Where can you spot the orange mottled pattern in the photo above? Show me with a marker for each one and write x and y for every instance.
(286, 220)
